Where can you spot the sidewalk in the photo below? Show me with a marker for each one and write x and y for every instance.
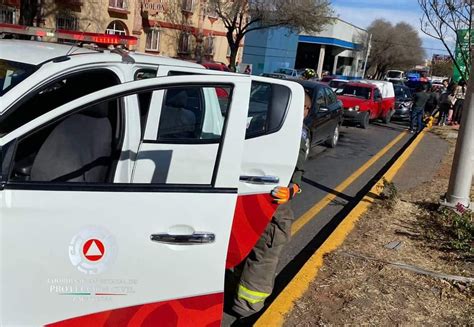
(402, 264)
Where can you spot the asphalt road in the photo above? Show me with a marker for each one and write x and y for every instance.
(325, 170)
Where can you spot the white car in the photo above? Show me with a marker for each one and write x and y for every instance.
(123, 196)
(395, 76)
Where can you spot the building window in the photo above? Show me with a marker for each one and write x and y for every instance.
(188, 5)
(153, 40)
(116, 28)
(184, 46)
(211, 11)
(120, 4)
(67, 22)
(209, 46)
(7, 15)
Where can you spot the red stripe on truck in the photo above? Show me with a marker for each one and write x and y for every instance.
(205, 310)
(251, 217)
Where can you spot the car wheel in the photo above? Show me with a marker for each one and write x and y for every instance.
(364, 123)
(332, 142)
(388, 117)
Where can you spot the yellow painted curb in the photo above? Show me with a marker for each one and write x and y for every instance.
(283, 304)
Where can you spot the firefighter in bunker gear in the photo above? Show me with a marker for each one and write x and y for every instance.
(258, 275)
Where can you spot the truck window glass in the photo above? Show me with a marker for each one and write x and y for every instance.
(55, 94)
(82, 147)
(193, 115)
(267, 108)
(12, 73)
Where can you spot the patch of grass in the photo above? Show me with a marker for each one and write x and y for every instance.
(389, 193)
(458, 231)
(447, 231)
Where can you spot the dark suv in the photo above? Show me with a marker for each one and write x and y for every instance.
(403, 102)
(325, 117)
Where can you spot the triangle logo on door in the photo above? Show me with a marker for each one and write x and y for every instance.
(93, 250)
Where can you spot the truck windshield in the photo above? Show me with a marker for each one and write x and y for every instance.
(12, 73)
(357, 91)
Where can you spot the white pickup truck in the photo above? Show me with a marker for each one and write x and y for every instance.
(129, 182)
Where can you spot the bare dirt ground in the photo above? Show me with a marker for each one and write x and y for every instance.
(357, 285)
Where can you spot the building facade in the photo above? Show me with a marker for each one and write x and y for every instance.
(340, 49)
(270, 49)
(174, 28)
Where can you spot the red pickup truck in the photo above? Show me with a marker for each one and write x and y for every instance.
(366, 101)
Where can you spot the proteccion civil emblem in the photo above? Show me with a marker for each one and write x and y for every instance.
(92, 250)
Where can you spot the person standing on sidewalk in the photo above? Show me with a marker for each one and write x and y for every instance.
(459, 95)
(258, 275)
(445, 103)
(433, 101)
(419, 102)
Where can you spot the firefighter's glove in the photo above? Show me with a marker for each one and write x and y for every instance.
(283, 194)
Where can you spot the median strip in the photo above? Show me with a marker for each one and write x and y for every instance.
(275, 314)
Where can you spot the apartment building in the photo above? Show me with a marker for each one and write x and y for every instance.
(173, 28)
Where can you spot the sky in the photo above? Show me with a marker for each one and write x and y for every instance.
(363, 12)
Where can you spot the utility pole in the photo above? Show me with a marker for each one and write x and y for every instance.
(369, 45)
(460, 181)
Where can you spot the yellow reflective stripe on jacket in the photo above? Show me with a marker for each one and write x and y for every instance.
(251, 296)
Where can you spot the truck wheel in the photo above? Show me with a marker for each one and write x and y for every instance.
(364, 122)
(388, 117)
(332, 141)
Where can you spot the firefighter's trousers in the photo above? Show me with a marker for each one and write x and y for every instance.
(258, 275)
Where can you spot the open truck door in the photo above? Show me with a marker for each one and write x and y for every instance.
(83, 244)
(272, 141)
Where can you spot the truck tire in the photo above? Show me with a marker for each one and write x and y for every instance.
(332, 141)
(388, 116)
(365, 120)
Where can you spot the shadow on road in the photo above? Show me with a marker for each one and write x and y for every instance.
(327, 189)
(292, 268)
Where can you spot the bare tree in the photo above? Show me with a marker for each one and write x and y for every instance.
(243, 16)
(393, 47)
(442, 20)
(29, 12)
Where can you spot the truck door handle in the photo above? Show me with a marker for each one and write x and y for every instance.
(260, 179)
(192, 239)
